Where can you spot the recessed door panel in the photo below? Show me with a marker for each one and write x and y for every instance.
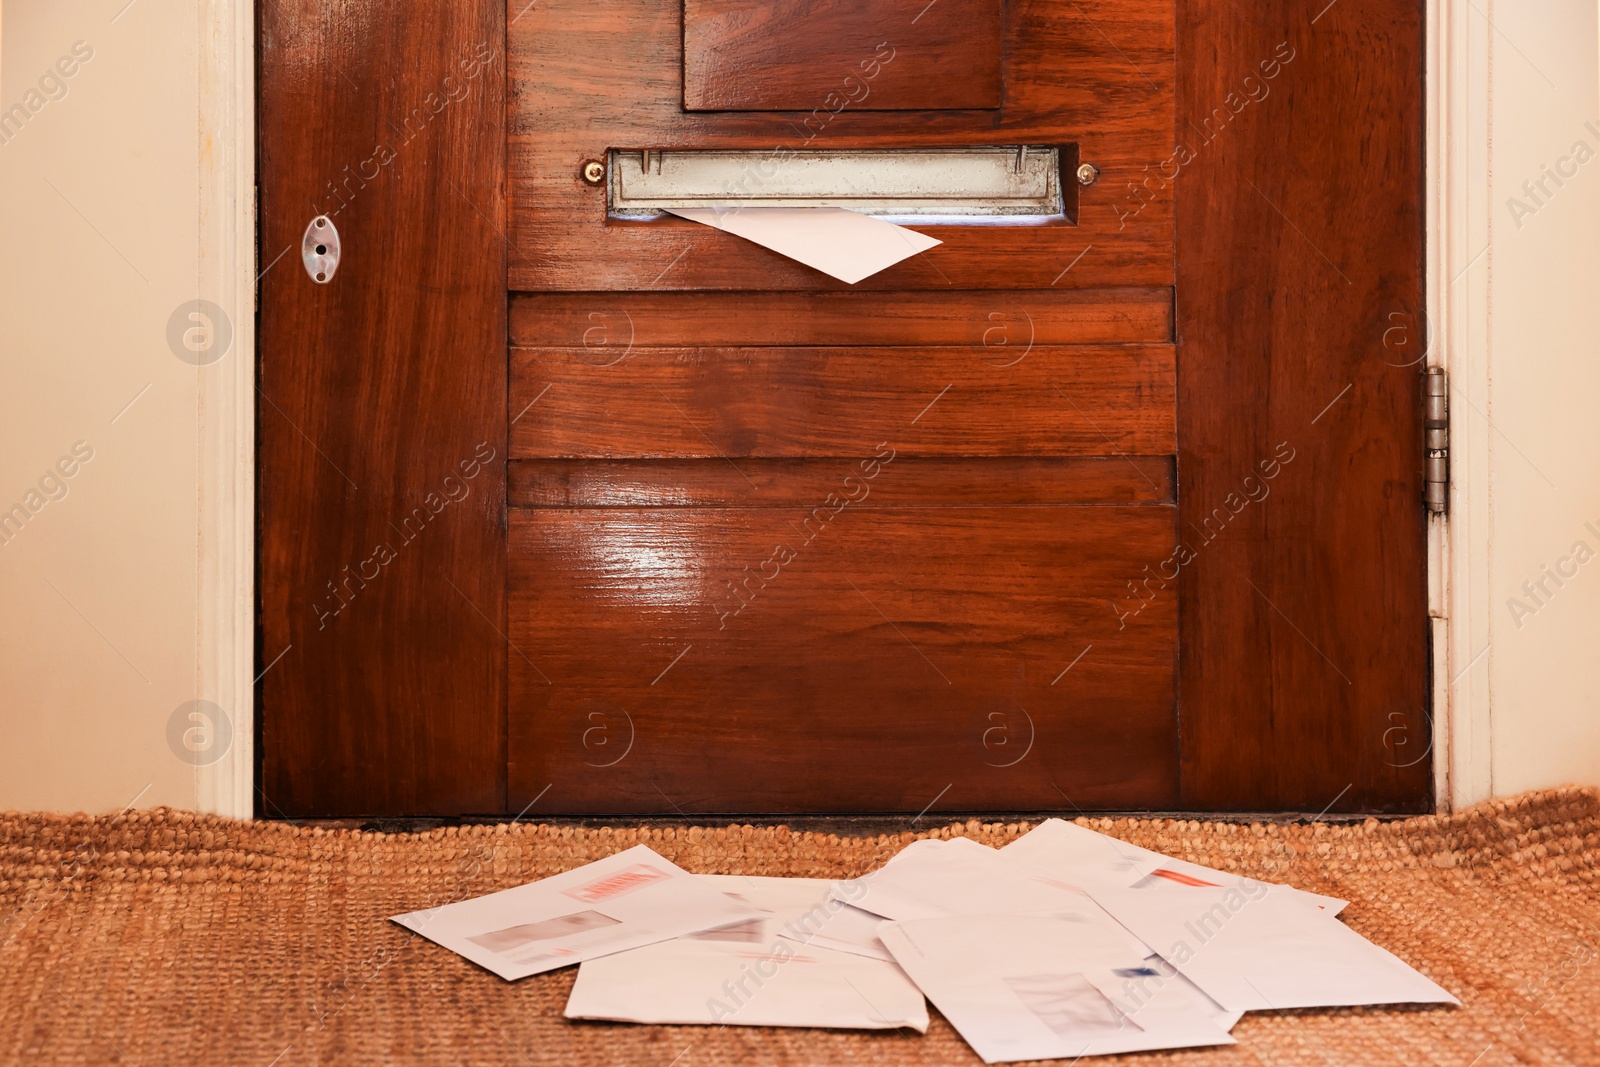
(1057, 400)
(839, 656)
(794, 55)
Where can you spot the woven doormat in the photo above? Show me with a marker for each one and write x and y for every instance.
(162, 937)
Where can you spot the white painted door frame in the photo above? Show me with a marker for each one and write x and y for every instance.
(1459, 270)
(225, 608)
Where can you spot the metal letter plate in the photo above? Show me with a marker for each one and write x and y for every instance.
(1014, 180)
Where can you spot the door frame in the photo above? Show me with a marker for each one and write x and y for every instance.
(1458, 280)
(225, 594)
(1459, 88)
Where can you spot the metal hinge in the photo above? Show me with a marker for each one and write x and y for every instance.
(1436, 440)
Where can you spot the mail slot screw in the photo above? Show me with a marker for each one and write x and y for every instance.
(594, 172)
(1088, 173)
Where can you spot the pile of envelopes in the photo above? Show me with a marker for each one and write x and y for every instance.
(1065, 943)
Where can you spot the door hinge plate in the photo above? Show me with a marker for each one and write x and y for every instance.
(1436, 440)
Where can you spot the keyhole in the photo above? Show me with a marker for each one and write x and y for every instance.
(322, 250)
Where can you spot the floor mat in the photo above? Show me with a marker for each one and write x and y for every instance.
(165, 937)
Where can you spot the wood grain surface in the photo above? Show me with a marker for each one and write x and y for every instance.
(917, 482)
(719, 402)
(1300, 247)
(1018, 318)
(786, 55)
(382, 414)
(833, 658)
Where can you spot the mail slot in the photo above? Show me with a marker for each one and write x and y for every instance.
(1015, 180)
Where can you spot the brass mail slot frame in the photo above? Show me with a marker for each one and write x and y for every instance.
(951, 184)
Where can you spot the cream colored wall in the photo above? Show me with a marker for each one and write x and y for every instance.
(1543, 412)
(99, 238)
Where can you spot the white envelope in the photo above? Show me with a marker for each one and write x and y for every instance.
(749, 973)
(933, 879)
(809, 913)
(1264, 949)
(1023, 987)
(624, 901)
(1076, 854)
(785, 898)
(1178, 875)
(784, 983)
(806, 911)
(843, 244)
(842, 927)
(1058, 846)
(929, 879)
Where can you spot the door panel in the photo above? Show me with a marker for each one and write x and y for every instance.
(848, 658)
(732, 402)
(619, 323)
(787, 55)
(917, 482)
(1305, 669)
(382, 413)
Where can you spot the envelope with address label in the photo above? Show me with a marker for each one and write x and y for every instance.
(628, 900)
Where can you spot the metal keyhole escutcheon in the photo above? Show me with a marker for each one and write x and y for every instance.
(319, 249)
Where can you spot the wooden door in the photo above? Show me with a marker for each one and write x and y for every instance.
(1118, 509)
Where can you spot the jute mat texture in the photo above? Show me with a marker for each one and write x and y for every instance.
(162, 937)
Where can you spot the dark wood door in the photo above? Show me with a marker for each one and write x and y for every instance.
(1118, 509)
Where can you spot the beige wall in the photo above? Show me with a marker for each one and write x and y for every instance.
(101, 224)
(98, 245)
(1544, 394)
